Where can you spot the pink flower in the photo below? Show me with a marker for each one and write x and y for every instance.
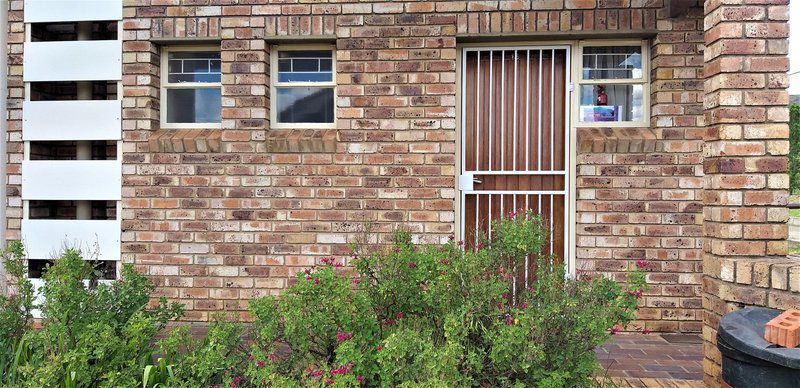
(308, 277)
(524, 305)
(460, 242)
(328, 382)
(451, 237)
(642, 263)
(271, 357)
(478, 246)
(645, 331)
(341, 337)
(513, 215)
(316, 281)
(356, 281)
(260, 364)
(412, 264)
(360, 378)
(379, 348)
(399, 315)
(616, 329)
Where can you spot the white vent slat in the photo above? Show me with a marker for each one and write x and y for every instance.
(71, 120)
(93, 60)
(89, 180)
(41, 11)
(97, 239)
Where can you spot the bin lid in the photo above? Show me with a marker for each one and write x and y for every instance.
(744, 331)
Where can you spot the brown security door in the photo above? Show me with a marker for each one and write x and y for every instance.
(514, 143)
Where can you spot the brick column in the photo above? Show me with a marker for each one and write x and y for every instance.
(746, 143)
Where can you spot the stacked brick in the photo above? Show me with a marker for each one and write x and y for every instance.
(746, 143)
(217, 217)
(639, 189)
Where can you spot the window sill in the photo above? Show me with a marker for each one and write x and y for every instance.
(186, 140)
(616, 140)
(301, 140)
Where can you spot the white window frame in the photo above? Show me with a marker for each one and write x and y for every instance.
(165, 85)
(274, 84)
(644, 80)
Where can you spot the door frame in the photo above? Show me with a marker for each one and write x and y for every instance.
(570, 182)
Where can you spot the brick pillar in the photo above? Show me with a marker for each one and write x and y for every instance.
(746, 143)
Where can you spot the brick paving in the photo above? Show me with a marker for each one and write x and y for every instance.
(653, 360)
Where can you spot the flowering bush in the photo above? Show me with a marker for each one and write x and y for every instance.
(409, 315)
(441, 315)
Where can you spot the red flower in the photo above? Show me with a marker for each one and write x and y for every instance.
(645, 331)
(316, 281)
(399, 315)
(260, 364)
(616, 329)
(380, 347)
(412, 264)
(356, 281)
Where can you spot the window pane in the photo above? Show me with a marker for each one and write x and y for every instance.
(305, 66)
(194, 66)
(612, 62)
(305, 105)
(194, 105)
(613, 103)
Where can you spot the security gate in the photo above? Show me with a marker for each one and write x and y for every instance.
(514, 140)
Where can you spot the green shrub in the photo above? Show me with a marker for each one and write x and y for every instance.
(410, 315)
(440, 316)
(794, 148)
(92, 334)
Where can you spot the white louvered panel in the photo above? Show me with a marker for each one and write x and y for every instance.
(45, 239)
(90, 180)
(40, 11)
(71, 120)
(93, 60)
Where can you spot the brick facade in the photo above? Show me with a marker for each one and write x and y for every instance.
(745, 165)
(217, 217)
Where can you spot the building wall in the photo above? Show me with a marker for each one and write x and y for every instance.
(217, 217)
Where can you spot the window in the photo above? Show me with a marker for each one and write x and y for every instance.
(191, 88)
(303, 87)
(612, 84)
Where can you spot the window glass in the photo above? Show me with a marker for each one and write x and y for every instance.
(305, 66)
(612, 62)
(194, 105)
(611, 103)
(194, 66)
(305, 105)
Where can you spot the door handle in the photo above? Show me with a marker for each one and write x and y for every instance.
(476, 180)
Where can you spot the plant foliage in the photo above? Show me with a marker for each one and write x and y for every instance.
(408, 315)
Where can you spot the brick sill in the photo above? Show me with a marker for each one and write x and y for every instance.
(617, 140)
(301, 140)
(185, 140)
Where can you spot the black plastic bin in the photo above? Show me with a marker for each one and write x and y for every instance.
(748, 360)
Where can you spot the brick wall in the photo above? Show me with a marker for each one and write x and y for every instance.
(746, 185)
(219, 217)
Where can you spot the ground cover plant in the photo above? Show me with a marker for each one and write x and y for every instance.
(406, 315)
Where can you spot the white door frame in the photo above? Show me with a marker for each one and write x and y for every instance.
(465, 178)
